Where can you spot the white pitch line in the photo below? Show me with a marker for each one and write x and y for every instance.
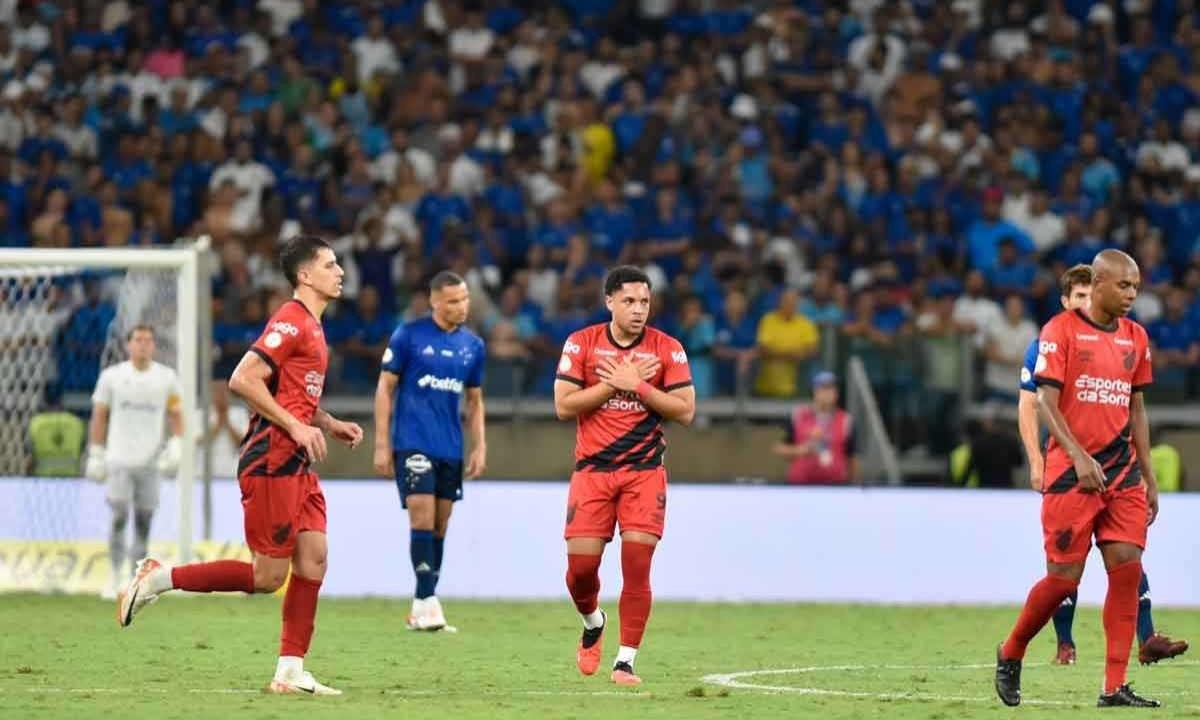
(397, 692)
(733, 681)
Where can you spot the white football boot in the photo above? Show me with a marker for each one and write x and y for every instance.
(140, 592)
(300, 682)
(427, 616)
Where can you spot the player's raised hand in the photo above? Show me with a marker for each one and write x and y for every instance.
(476, 462)
(648, 367)
(348, 432)
(312, 440)
(622, 374)
(384, 462)
(1090, 474)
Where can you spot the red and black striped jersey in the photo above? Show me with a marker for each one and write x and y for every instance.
(621, 434)
(1097, 371)
(293, 345)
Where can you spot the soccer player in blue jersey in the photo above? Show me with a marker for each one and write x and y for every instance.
(429, 366)
(1076, 287)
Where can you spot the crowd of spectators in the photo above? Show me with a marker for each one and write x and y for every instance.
(804, 180)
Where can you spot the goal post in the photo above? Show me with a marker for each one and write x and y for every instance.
(38, 267)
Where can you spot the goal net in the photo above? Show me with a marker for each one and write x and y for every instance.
(64, 316)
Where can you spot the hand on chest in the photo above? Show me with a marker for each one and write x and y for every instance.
(603, 356)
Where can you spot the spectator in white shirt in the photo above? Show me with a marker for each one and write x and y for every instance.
(974, 309)
(252, 179)
(385, 168)
(374, 52)
(466, 175)
(1007, 338)
(30, 34)
(471, 41)
(602, 69)
(1045, 227)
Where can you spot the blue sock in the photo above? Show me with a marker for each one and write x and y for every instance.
(1145, 623)
(1064, 618)
(439, 543)
(420, 548)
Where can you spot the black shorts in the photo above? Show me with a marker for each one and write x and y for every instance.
(419, 474)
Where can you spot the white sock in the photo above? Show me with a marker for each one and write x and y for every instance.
(418, 607)
(288, 666)
(593, 620)
(159, 581)
(626, 654)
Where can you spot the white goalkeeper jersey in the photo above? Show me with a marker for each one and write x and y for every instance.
(137, 402)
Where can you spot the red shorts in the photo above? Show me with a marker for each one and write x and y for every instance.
(1070, 519)
(597, 501)
(277, 508)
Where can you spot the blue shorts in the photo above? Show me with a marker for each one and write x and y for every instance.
(419, 474)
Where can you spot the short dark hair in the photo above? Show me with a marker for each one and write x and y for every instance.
(445, 279)
(622, 274)
(298, 251)
(1078, 275)
(140, 327)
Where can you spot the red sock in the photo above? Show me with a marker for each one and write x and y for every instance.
(299, 616)
(1120, 621)
(583, 581)
(215, 576)
(1044, 598)
(636, 597)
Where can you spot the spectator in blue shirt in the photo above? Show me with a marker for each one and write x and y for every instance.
(611, 221)
(364, 340)
(984, 235)
(1012, 273)
(83, 339)
(735, 344)
(1176, 343)
(697, 332)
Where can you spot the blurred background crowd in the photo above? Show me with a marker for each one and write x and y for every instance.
(901, 181)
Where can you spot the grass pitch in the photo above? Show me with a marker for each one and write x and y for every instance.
(65, 657)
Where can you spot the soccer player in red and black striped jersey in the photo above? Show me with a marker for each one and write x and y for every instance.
(1091, 368)
(281, 378)
(620, 380)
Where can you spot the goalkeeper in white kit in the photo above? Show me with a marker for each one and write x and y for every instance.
(135, 408)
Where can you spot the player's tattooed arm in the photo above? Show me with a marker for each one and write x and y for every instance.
(1089, 472)
(1141, 444)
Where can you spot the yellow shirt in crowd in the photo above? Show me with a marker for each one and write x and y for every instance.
(777, 378)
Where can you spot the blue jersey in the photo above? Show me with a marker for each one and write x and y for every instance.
(1027, 369)
(435, 367)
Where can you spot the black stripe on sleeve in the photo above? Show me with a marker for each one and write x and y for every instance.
(266, 358)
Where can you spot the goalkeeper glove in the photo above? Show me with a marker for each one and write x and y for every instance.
(94, 469)
(168, 459)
